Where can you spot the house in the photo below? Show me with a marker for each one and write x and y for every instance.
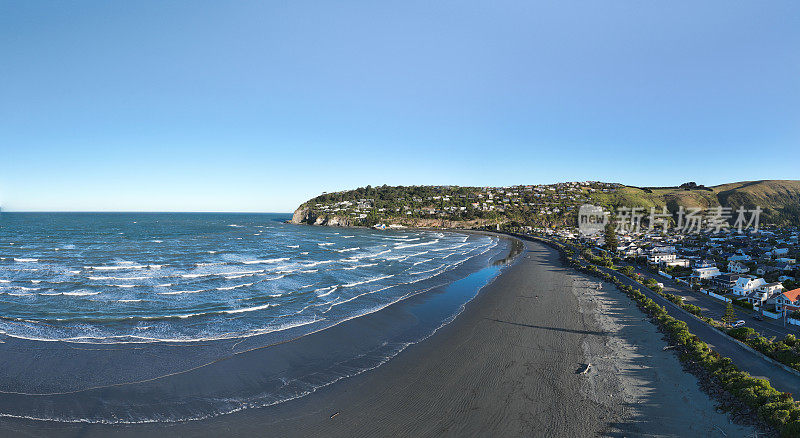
(725, 281)
(704, 264)
(737, 267)
(705, 273)
(661, 257)
(745, 285)
(764, 293)
(683, 263)
(780, 251)
(789, 300)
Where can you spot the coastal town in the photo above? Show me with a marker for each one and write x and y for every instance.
(757, 270)
(746, 259)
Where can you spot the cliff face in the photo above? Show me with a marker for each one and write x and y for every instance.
(305, 215)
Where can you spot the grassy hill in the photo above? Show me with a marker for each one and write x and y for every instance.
(553, 205)
(780, 199)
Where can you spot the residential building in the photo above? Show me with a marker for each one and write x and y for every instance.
(745, 285)
(661, 257)
(705, 273)
(725, 282)
(737, 267)
(683, 263)
(789, 300)
(763, 293)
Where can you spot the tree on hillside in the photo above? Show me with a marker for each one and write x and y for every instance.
(730, 315)
(611, 237)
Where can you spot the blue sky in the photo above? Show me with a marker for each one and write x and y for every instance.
(257, 106)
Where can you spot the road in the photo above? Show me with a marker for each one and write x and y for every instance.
(715, 308)
(742, 357)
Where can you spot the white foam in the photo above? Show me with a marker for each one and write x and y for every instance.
(197, 275)
(321, 262)
(249, 309)
(347, 249)
(368, 281)
(235, 287)
(118, 278)
(178, 292)
(115, 268)
(252, 262)
(327, 291)
(400, 246)
(23, 260)
(429, 270)
(293, 246)
(80, 293)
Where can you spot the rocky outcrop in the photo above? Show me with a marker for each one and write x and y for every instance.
(306, 215)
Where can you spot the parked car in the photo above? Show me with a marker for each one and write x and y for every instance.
(738, 323)
(758, 317)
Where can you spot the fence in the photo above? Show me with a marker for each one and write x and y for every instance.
(713, 295)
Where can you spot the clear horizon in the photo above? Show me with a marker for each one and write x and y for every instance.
(257, 107)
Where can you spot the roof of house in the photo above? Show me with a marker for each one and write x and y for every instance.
(792, 295)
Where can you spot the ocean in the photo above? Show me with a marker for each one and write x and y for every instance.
(125, 287)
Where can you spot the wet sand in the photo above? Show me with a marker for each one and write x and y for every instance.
(506, 366)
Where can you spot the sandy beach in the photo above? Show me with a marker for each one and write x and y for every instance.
(508, 365)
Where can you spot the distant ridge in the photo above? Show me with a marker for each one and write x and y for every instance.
(549, 205)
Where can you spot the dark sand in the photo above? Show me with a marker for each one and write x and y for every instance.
(507, 366)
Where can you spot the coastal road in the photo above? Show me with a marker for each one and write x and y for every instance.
(715, 308)
(744, 358)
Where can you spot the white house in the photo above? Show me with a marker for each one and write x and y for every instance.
(662, 257)
(763, 293)
(745, 285)
(735, 267)
(705, 273)
(684, 263)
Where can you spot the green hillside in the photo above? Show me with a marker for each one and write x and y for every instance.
(780, 199)
(553, 205)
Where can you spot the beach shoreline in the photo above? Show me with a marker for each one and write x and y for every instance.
(508, 365)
